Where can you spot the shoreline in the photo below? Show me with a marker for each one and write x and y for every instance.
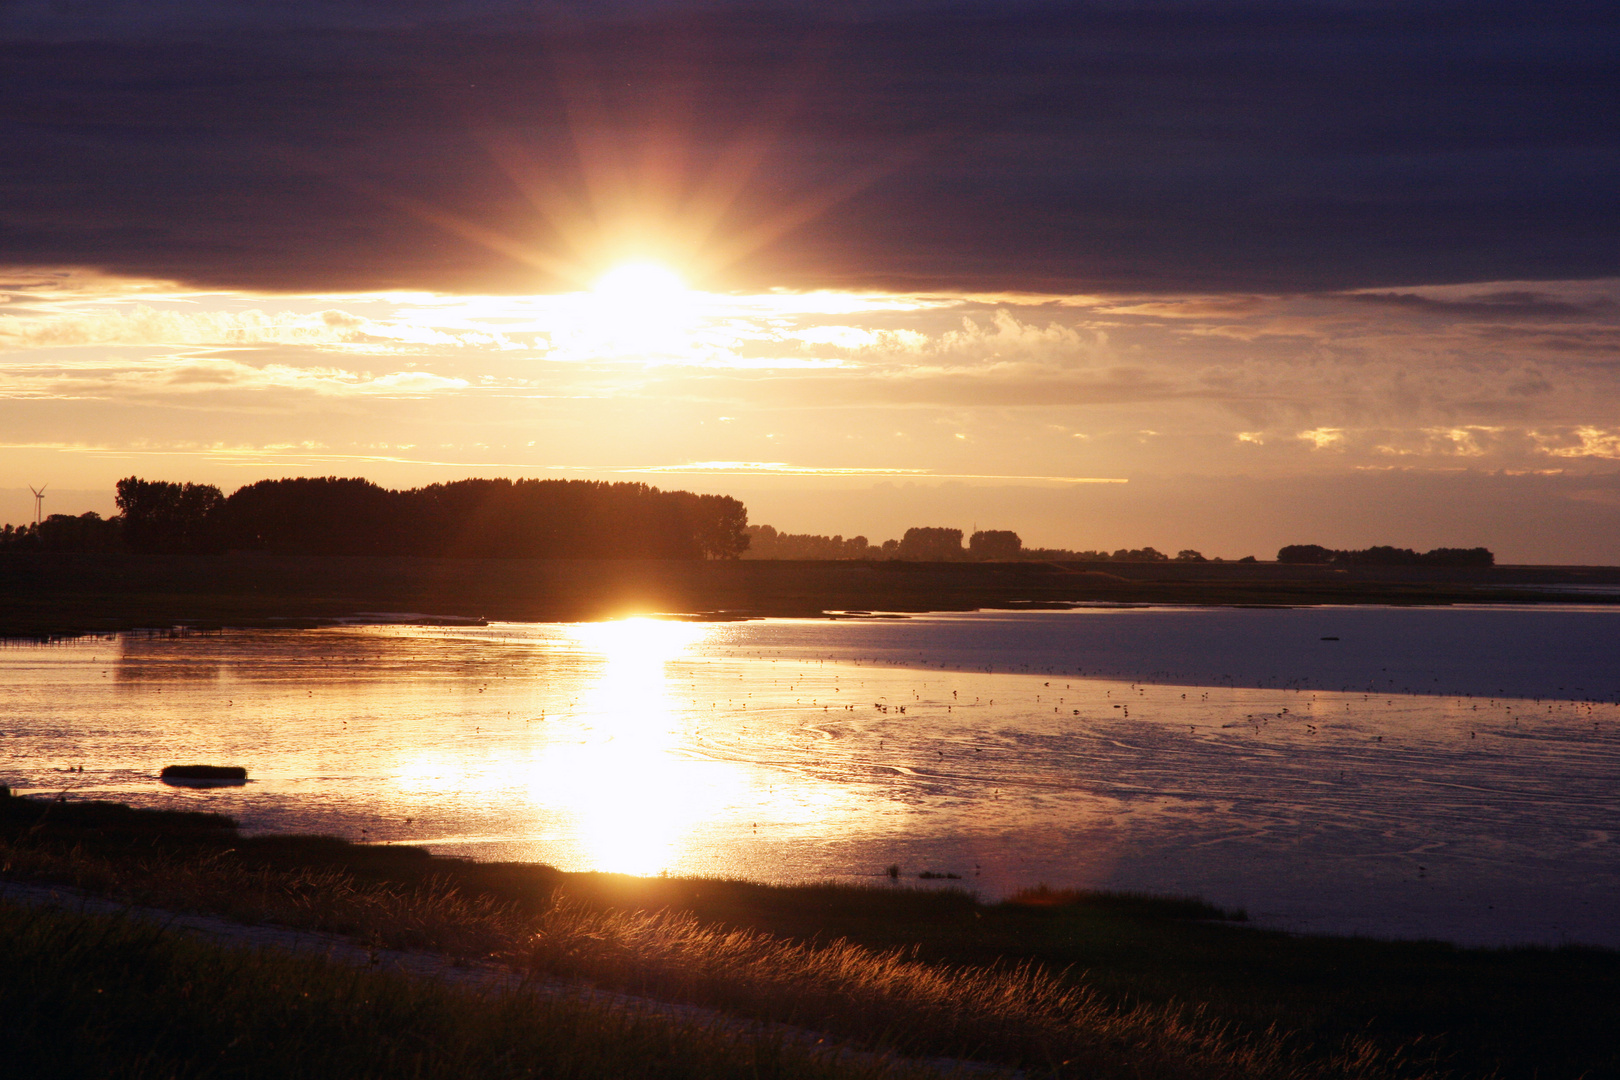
(48, 596)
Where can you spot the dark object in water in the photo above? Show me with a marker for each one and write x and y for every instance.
(203, 775)
(1330, 639)
(204, 772)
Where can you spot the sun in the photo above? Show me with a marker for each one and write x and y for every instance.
(639, 310)
(641, 282)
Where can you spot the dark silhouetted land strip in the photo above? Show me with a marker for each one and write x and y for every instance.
(103, 996)
(44, 594)
(1116, 986)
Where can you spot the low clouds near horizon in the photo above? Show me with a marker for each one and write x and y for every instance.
(1434, 389)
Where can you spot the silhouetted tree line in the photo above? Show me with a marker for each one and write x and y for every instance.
(918, 545)
(64, 532)
(764, 542)
(931, 544)
(995, 544)
(939, 545)
(552, 519)
(160, 516)
(1130, 555)
(1384, 555)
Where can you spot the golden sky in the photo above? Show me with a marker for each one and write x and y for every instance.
(1229, 423)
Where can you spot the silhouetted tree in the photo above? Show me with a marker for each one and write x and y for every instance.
(166, 517)
(19, 538)
(1189, 555)
(1386, 555)
(994, 544)
(766, 543)
(1474, 556)
(1304, 553)
(719, 523)
(87, 532)
(1145, 554)
(313, 516)
(931, 544)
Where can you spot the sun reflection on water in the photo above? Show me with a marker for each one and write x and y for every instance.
(620, 778)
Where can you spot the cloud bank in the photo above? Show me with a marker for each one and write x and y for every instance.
(1125, 146)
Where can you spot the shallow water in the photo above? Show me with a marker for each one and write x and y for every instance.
(1263, 767)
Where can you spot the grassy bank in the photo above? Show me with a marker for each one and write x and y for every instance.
(87, 996)
(1100, 986)
(43, 595)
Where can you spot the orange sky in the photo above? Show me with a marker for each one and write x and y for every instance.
(1231, 423)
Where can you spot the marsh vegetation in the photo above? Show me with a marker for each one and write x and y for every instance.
(1067, 984)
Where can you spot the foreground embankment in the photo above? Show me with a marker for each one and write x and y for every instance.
(1063, 984)
(44, 595)
(120, 996)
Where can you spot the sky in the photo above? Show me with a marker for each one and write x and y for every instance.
(1187, 273)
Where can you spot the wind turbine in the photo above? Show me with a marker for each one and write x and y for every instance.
(39, 500)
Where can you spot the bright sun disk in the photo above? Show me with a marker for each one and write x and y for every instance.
(640, 281)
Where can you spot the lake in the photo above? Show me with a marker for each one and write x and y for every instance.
(1410, 772)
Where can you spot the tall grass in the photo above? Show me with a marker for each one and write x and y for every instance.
(1016, 1014)
(84, 996)
(1011, 1013)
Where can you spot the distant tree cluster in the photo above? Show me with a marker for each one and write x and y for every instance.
(64, 532)
(764, 542)
(1384, 555)
(917, 545)
(931, 545)
(1148, 554)
(939, 545)
(1126, 555)
(995, 544)
(160, 516)
(556, 519)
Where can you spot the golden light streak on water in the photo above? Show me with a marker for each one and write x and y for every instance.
(631, 797)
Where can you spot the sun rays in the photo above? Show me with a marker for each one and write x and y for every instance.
(618, 180)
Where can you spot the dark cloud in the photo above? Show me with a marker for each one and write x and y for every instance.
(1495, 305)
(1141, 146)
(1599, 345)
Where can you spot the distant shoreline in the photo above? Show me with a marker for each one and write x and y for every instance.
(45, 595)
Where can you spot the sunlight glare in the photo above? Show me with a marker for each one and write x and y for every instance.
(639, 310)
(633, 798)
(640, 283)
